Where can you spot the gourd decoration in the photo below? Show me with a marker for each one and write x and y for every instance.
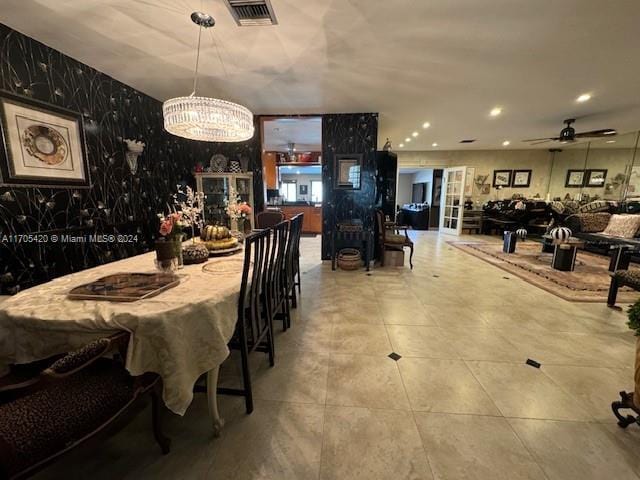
(521, 233)
(214, 232)
(560, 234)
(217, 237)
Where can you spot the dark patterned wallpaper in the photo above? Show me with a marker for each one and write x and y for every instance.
(348, 133)
(117, 202)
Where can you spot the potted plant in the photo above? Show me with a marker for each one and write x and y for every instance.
(169, 246)
(631, 400)
(191, 204)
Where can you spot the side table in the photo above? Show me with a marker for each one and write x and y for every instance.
(564, 255)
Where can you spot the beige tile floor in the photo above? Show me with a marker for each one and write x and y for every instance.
(459, 404)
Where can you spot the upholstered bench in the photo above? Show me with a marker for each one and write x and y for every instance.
(622, 278)
(69, 402)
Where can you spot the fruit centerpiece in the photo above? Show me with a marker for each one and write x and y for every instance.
(216, 237)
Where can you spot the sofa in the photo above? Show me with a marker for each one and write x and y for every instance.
(534, 215)
(591, 226)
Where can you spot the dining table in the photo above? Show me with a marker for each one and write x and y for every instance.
(181, 334)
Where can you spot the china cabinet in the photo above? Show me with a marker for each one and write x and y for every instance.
(215, 187)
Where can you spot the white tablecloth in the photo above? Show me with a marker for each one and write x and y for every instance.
(180, 334)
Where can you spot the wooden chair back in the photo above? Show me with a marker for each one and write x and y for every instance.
(251, 322)
(269, 218)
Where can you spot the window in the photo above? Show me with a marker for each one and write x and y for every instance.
(288, 191)
(316, 191)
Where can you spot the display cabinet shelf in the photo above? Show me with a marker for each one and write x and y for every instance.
(215, 187)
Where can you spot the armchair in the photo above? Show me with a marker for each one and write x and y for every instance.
(389, 237)
(72, 400)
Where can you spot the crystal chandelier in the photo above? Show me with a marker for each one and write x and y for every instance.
(204, 118)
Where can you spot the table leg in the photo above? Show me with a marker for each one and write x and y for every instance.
(366, 253)
(212, 399)
(333, 250)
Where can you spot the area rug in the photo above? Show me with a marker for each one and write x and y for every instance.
(589, 282)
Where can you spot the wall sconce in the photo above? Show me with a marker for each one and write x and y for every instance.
(134, 150)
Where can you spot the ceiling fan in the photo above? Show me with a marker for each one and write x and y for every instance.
(568, 134)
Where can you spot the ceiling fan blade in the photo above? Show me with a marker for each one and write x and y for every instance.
(605, 132)
(544, 141)
(540, 139)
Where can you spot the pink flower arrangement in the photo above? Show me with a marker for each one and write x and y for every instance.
(236, 208)
(171, 225)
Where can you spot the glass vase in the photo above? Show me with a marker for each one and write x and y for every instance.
(177, 249)
(165, 256)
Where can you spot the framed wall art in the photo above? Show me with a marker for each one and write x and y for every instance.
(304, 189)
(575, 179)
(595, 177)
(348, 171)
(521, 179)
(43, 145)
(502, 178)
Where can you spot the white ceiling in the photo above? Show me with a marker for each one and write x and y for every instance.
(443, 61)
(305, 133)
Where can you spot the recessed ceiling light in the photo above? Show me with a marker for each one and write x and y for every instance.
(495, 111)
(434, 144)
(611, 141)
(506, 143)
(585, 97)
(407, 139)
(415, 134)
(401, 145)
(426, 125)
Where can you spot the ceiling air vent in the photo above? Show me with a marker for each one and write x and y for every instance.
(248, 13)
(470, 140)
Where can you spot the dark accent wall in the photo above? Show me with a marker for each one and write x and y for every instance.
(348, 133)
(117, 202)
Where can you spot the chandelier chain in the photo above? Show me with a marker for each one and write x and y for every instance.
(195, 74)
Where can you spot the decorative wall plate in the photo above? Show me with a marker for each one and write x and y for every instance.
(218, 163)
(45, 144)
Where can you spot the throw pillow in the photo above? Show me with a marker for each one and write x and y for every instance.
(595, 206)
(624, 226)
(588, 222)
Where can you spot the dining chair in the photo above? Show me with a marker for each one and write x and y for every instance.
(292, 263)
(74, 399)
(254, 328)
(275, 287)
(269, 218)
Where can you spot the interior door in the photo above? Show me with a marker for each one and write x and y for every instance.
(452, 201)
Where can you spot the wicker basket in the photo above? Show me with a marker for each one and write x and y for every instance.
(349, 259)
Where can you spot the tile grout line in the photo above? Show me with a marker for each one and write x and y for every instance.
(506, 419)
